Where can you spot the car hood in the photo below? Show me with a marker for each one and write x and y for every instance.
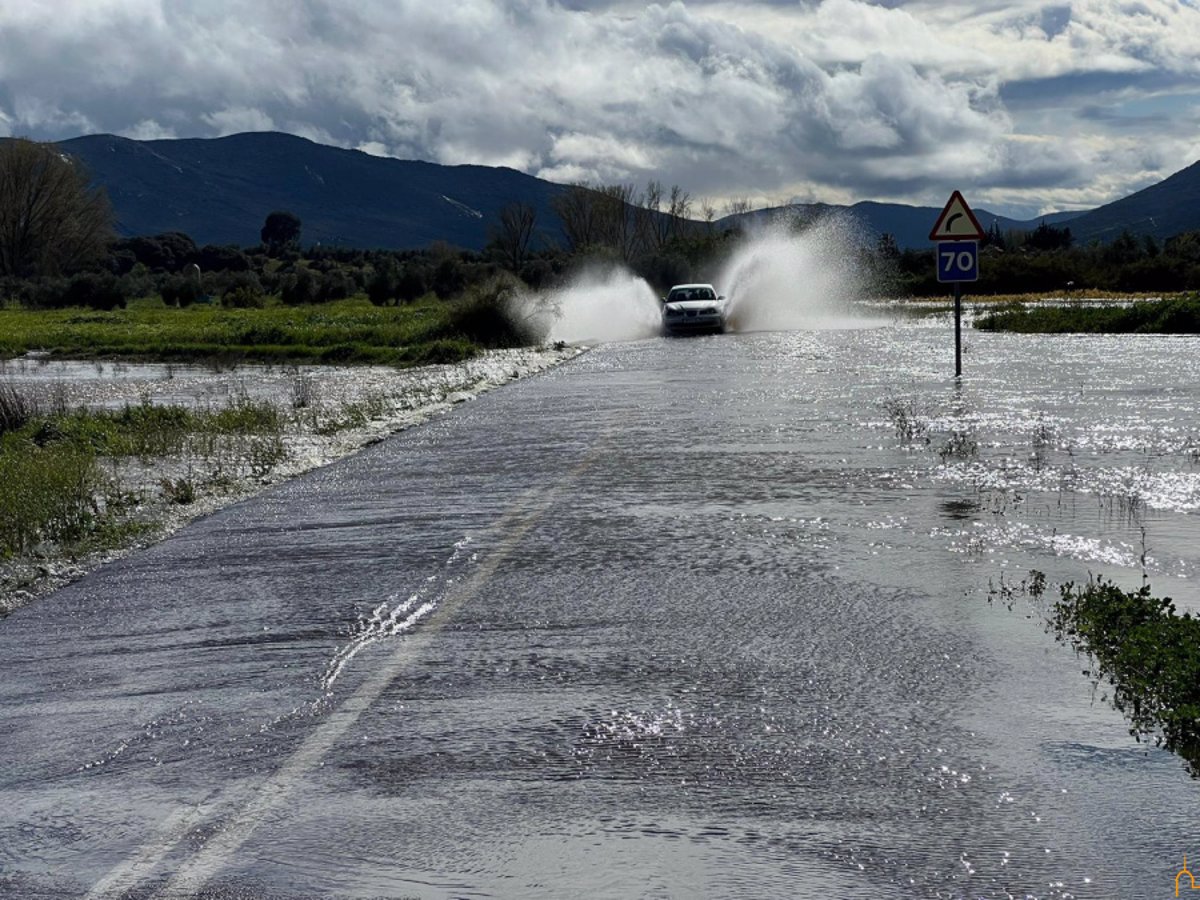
(694, 304)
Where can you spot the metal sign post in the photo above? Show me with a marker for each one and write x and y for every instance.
(957, 234)
(958, 329)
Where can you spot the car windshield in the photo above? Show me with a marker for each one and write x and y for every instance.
(703, 293)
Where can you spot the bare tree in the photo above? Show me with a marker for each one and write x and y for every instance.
(737, 206)
(576, 208)
(654, 227)
(709, 211)
(679, 210)
(514, 234)
(615, 220)
(51, 220)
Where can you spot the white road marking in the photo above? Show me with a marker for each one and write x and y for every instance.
(206, 863)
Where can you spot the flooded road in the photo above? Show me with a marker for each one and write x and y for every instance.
(694, 618)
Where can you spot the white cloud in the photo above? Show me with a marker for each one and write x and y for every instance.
(841, 99)
(235, 119)
(148, 130)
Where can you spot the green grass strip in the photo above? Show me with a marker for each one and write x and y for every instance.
(345, 331)
(1179, 315)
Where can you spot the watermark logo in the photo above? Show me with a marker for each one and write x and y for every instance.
(1190, 884)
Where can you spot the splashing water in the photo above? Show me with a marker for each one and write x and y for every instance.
(391, 618)
(600, 305)
(782, 280)
(777, 280)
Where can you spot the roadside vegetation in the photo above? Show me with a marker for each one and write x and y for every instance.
(57, 482)
(342, 331)
(1173, 315)
(1048, 261)
(1148, 653)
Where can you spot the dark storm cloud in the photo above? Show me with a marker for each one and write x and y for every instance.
(841, 99)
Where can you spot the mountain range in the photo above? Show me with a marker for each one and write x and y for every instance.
(220, 190)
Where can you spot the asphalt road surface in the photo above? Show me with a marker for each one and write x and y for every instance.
(676, 619)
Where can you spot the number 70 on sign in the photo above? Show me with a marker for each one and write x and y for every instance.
(958, 261)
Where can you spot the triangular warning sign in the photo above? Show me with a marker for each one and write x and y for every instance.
(957, 222)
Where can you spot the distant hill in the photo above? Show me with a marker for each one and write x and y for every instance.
(1163, 210)
(910, 225)
(220, 191)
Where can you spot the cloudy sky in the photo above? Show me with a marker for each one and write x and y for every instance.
(1027, 107)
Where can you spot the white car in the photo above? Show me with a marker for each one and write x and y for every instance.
(693, 308)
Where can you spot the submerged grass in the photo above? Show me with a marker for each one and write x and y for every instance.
(1176, 315)
(46, 494)
(1149, 653)
(52, 486)
(345, 331)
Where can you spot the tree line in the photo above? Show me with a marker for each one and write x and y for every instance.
(58, 248)
(1047, 259)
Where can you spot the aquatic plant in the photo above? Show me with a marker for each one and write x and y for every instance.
(907, 419)
(17, 408)
(178, 490)
(46, 494)
(959, 445)
(343, 331)
(51, 486)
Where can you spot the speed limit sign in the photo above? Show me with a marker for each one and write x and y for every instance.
(957, 261)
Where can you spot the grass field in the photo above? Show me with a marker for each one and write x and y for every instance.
(1173, 315)
(344, 331)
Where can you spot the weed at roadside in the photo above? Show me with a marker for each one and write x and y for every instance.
(907, 419)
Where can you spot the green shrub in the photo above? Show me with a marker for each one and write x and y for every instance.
(1180, 315)
(244, 297)
(223, 283)
(179, 290)
(384, 283)
(487, 316)
(449, 278)
(337, 284)
(99, 290)
(299, 288)
(413, 282)
(1150, 654)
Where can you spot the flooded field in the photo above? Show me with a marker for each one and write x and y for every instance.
(317, 414)
(725, 616)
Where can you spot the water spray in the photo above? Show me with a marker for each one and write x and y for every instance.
(782, 279)
(601, 304)
(778, 279)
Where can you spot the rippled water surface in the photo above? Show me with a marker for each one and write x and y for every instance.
(724, 617)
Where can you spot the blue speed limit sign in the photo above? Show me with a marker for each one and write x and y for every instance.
(957, 260)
